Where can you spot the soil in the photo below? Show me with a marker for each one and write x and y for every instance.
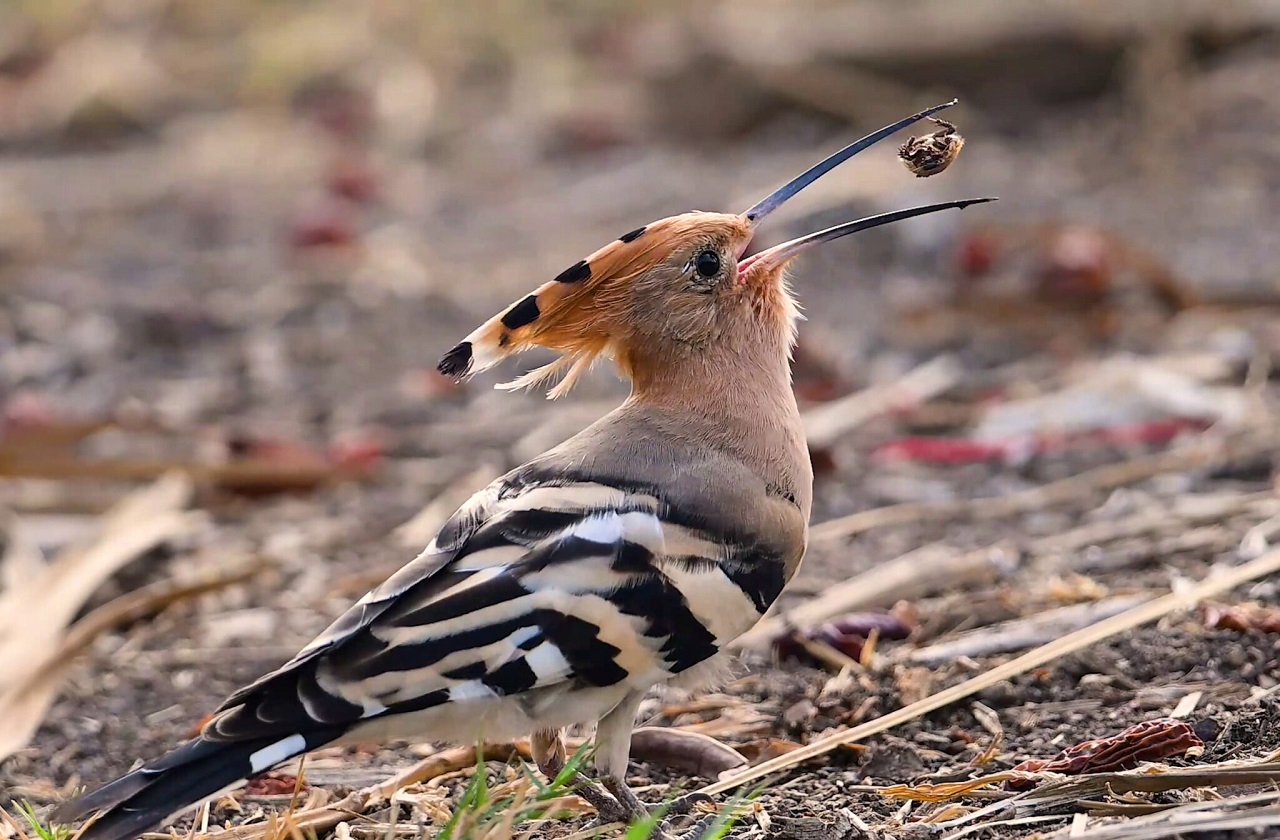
(182, 292)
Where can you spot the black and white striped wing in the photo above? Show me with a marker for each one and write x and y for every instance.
(535, 588)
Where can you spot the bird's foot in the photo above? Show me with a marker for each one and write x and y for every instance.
(636, 809)
(673, 810)
(678, 813)
(685, 804)
(608, 809)
(696, 831)
(621, 805)
(549, 754)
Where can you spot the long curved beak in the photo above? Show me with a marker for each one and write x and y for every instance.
(786, 192)
(778, 255)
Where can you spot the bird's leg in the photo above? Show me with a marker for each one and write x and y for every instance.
(549, 754)
(692, 827)
(625, 796)
(613, 746)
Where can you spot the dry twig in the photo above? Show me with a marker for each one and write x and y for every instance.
(1022, 633)
(1203, 453)
(246, 476)
(1240, 813)
(827, 423)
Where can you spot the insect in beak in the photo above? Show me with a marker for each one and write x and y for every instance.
(779, 255)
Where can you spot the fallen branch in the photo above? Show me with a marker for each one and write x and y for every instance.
(1022, 633)
(1201, 454)
(827, 423)
(1185, 820)
(247, 476)
(1143, 614)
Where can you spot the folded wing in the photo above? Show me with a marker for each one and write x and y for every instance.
(533, 589)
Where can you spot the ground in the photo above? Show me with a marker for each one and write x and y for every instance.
(226, 283)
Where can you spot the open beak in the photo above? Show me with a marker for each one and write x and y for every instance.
(779, 254)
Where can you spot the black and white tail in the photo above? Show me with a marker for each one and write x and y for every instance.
(200, 769)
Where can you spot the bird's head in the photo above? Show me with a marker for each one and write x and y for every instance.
(675, 287)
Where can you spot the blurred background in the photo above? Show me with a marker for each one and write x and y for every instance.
(287, 210)
(235, 237)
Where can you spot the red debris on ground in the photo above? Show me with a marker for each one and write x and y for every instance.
(359, 448)
(847, 634)
(976, 254)
(323, 224)
(1243, 618)
(273, 783)
(354, 180)
(1150, 740)
(1076, 266)
(954, 451)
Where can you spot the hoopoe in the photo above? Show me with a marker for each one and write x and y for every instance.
(628, 556)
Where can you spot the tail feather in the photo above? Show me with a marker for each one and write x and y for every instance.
(146, 798)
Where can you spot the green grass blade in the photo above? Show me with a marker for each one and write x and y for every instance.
(51, 831)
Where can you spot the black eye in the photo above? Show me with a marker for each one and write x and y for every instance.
(707, 264)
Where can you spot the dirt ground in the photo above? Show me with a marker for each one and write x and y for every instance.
(219, 281)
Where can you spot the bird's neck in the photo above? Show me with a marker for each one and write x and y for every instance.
(727, 384)
(737, 399)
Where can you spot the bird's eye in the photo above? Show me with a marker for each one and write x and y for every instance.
(707, 264)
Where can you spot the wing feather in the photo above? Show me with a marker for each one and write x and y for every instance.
(531, 585)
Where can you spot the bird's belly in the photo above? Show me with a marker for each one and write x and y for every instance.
(494, 719)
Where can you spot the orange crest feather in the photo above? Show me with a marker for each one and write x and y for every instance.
(573, 313)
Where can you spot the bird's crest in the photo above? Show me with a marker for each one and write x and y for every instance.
(578, 312)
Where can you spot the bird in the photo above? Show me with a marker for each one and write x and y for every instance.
(629, 556)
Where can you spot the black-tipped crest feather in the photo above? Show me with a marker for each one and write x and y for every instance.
(457, 361)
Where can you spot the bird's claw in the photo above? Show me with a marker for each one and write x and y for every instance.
(609, 813)
(620, 805)
(608, 809)
(696, 831)
(682, 806)
(686, 803)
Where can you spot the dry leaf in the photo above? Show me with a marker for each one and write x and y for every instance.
(679, 749)
(1150, 740)
(36, 609)
(1243, 618)
(946, 790)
